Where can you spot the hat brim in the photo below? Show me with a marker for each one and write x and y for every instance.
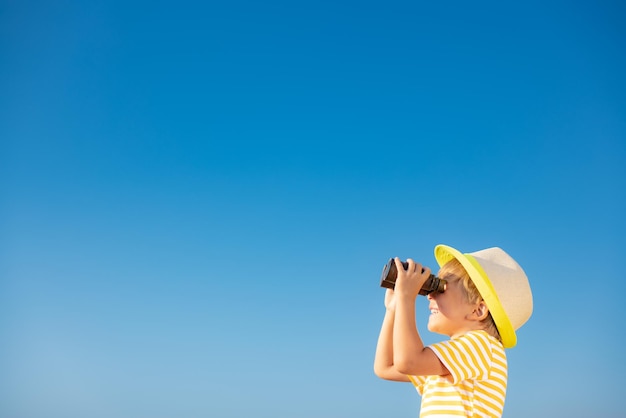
(444, 253)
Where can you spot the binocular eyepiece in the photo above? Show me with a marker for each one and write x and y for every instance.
(390, 274)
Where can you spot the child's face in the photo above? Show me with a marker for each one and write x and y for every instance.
(450, 312)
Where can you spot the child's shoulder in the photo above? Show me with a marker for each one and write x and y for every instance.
(474, 339)
(483, 336)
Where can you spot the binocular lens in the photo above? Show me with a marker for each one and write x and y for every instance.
(390, 274)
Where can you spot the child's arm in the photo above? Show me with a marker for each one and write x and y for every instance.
(410, 357)
(383, 362)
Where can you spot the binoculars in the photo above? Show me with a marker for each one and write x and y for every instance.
(390, 274)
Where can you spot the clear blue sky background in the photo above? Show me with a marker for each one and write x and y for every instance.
(197, 198)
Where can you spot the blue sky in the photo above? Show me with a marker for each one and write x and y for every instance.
(197, 198)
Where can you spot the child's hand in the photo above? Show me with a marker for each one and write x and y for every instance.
(390, 300)
(411, 280)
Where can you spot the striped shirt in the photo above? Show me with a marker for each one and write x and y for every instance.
(476, 386)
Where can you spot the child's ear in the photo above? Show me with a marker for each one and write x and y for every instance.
(481, 311)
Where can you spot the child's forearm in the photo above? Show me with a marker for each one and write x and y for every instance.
(383, 362)
(384, 347)
(407, 343)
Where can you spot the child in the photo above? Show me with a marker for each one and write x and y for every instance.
(486, 298)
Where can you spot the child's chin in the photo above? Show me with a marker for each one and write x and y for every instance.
(432, 327)
(435, 326)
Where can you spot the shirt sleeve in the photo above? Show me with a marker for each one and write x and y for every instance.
(466, 357)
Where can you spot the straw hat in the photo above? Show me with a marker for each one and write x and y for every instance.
(502, 284)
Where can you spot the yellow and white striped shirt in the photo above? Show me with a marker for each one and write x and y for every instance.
(476, 386)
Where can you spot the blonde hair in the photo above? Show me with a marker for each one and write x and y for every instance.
(454, 271)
